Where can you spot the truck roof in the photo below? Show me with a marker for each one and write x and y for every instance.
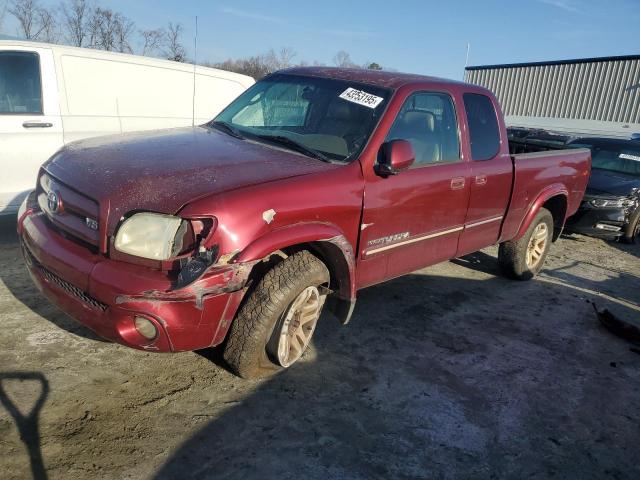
(379, 78)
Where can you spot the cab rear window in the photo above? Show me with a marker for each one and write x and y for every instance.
(483, 126)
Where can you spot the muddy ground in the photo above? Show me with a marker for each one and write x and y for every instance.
(451, 372)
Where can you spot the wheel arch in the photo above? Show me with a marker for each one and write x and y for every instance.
(325, 241)
(555, 199)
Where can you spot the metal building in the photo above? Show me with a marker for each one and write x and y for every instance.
(590, 95)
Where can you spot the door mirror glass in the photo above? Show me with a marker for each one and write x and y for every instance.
(395, 156)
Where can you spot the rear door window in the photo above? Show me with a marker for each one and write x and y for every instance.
(483, 126)
(20, 88)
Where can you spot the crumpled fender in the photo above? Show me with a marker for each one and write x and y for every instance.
(342, 264)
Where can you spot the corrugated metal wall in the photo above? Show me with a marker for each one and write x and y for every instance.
(594, 90)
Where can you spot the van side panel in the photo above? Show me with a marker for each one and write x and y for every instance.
(106, 96)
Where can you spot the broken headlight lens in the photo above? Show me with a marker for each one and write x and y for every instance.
(622, 202)
(152, 235)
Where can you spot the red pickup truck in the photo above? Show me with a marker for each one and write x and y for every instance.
(313, 184)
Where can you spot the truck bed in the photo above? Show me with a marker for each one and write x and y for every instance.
(532, 172)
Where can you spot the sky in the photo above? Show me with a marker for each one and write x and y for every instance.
(419, 36)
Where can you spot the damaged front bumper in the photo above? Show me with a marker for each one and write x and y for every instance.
(107, 295)
(608, 222)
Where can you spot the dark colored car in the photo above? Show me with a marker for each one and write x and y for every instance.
(611, 205)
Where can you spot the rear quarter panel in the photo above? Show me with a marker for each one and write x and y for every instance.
(540, 176)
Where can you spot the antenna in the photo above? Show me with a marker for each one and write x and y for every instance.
(195, 56)
(466, 61)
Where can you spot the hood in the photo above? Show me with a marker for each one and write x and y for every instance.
(163, 171)
(606, 182)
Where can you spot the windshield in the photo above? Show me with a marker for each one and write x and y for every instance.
(623, 160)
(325, 118)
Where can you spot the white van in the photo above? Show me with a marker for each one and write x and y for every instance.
(51, 95)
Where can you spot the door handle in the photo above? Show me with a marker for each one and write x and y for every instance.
(37, 125)
(457, 183)
(481, 179)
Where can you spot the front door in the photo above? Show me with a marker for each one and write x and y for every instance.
(415, 218)
(30, 124)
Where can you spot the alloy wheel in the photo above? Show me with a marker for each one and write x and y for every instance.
(294, 330)
(537, 245)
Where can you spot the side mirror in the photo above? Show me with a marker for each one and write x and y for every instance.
(395, 156)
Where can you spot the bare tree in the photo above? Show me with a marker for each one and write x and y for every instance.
(343, 59)
(124, 28)
(109, 30)
(153, 41)
(26, 12)
(285, 57)
(49, 28)
(277, 61)
(75, 21)
(3, 11)
(175, 50)
(103, 34)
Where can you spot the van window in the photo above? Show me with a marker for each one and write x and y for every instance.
(483, 126)
(428, 121)
(20, 91)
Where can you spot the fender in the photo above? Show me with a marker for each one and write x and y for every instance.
(548, 192)
(332, 245)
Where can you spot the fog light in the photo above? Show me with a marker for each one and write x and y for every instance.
(146, 328)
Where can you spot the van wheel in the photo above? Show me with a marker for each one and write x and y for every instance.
(274, 327)
(522, 259)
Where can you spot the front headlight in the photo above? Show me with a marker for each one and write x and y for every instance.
(612, 202)
(151, 235)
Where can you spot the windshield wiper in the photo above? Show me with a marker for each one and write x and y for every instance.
(227, 127)
(299, 147)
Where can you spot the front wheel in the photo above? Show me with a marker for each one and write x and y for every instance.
(522, 259)
(274, 326)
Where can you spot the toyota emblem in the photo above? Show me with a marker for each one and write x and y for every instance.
(53, 202)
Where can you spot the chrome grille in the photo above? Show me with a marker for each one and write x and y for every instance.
(70, 211)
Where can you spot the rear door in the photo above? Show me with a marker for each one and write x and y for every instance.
(415, 218)
(30, 125)
(491, 174)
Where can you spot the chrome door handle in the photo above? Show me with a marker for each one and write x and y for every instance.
(457, 183)
(481, 179)
(37, 125)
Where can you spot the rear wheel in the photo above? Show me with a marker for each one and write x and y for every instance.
(522, 259)
(274, 326)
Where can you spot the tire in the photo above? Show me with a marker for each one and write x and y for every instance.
(252, 347)
(632, 231)
(513, 256)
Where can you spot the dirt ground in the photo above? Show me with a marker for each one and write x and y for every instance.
(451, 372)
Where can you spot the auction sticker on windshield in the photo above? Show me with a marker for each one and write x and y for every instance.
(361, 98)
